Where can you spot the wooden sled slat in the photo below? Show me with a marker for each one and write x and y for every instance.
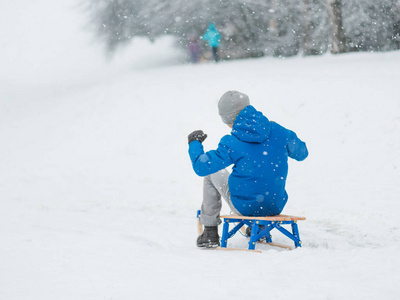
(199, 227)
(268, 218)
(234, 249)
(287, 247)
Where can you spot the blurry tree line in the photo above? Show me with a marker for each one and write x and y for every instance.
(253, 28)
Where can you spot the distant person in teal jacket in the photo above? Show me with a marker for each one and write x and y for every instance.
(213, 37)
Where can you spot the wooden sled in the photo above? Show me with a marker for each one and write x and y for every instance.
(260, 230)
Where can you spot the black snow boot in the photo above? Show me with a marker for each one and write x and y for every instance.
(209, 238)
(260, 228)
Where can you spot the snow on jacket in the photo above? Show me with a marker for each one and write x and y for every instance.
(212, 36)
(259, 151)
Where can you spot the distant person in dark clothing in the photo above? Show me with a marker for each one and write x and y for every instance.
(194, 49)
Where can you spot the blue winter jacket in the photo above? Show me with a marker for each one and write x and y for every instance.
(259, 151)
(212, 36)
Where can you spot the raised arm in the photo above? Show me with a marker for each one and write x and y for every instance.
(297, 149)
(206, 163)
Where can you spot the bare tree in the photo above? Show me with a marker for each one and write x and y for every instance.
(338, 39)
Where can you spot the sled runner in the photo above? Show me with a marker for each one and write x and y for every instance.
(260, 232)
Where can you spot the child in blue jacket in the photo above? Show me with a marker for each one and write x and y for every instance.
(258, 150)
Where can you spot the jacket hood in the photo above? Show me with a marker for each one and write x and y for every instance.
(251, 126)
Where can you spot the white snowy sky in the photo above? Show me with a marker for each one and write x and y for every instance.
(46, 42)
(42, 39)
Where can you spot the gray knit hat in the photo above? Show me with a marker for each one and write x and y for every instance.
(231, 104)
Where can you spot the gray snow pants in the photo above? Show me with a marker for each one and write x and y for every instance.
(215, 186)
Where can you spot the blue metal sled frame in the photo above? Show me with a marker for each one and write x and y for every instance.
(260, 228)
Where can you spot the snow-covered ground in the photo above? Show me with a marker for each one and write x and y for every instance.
(98, 198)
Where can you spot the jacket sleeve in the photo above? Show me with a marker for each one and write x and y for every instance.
(210, 162)
(297, 149)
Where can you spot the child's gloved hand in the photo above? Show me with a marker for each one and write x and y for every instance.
(197, 135)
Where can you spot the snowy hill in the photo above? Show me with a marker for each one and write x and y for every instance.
(99, 199)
